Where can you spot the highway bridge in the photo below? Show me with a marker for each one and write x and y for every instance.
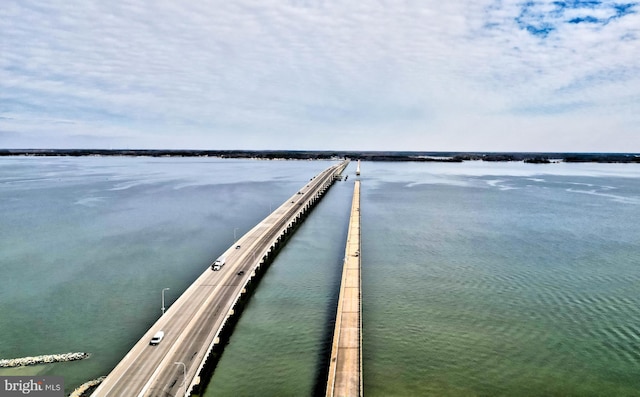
(193, 324)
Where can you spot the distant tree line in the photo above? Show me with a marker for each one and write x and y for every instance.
(535, 158)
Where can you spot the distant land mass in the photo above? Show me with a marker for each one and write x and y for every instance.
(456, 157)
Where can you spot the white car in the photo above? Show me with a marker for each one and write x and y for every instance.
(157, 338)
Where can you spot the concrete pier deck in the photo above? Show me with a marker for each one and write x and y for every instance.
(345, 367)
(192, 326)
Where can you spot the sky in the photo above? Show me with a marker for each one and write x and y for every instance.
(430, 75)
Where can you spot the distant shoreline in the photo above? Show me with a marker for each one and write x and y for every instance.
(448, 157)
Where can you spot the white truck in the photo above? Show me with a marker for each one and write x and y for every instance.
(217, 265)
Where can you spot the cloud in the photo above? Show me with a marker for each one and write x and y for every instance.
(313, 74)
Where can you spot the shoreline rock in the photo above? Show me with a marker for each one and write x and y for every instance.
(44, 359)
(84, 388)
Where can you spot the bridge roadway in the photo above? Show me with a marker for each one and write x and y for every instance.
(192, 325)
(345, 367)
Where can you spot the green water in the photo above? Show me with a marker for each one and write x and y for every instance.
(501, 281)
(88, 244)
(479, 279)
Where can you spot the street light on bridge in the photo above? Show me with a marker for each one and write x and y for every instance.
(164, 289)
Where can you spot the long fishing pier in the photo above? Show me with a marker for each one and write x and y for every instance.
(192, 326)
(345, 367)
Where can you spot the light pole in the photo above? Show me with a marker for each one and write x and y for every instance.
(164, 289)
(184, 373)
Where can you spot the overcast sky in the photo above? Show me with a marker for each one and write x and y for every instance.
(491, 75)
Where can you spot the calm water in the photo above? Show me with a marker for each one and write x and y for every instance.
(479, 278)
(87, 244)
(501, 279)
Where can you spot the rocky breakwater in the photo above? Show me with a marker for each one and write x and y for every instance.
(87, 388)
(45, 359)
